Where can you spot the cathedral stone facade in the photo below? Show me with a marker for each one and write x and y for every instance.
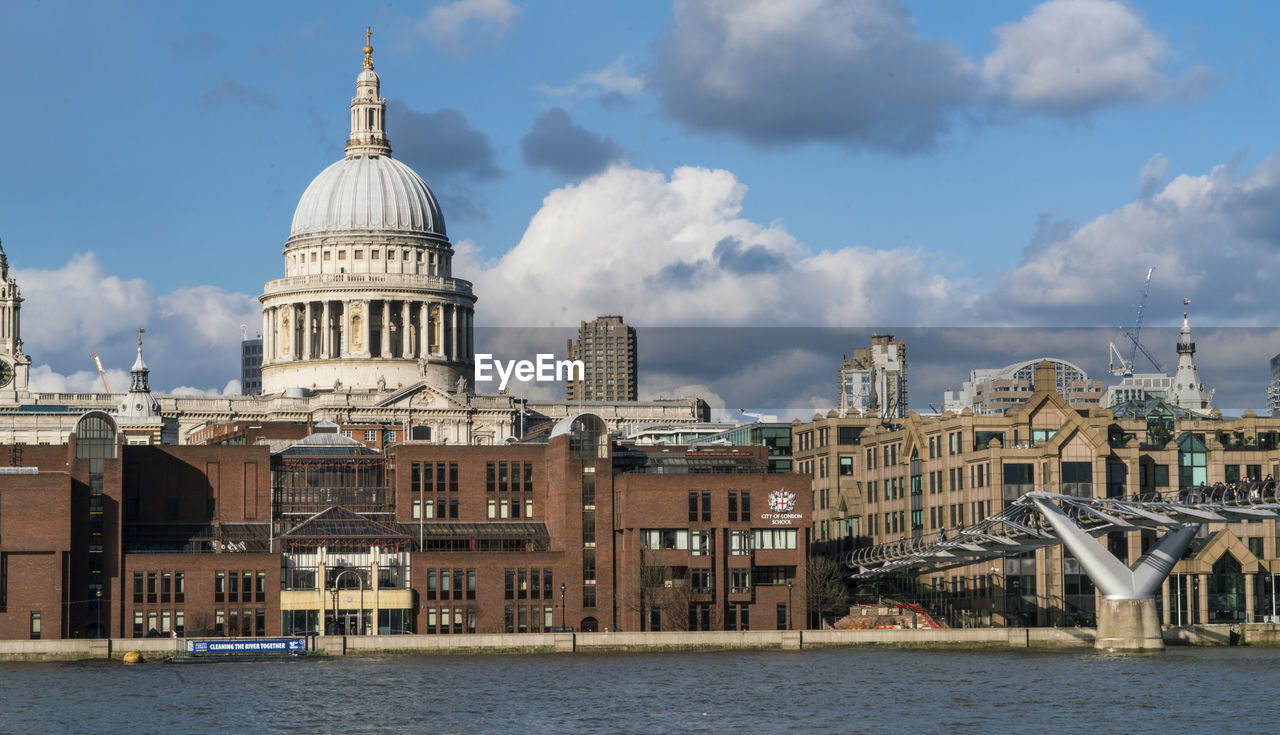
(368, 298)
(368, 327)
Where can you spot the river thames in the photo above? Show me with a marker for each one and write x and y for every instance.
(813, 691)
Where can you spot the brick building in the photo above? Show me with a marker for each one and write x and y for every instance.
(877, 482)
(102, 538)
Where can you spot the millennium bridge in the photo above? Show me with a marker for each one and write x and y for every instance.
(1127, 618)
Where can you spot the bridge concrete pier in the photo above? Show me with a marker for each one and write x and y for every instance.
(1128, 625)
(1127, 619)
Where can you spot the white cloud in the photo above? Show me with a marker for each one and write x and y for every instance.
(1213, 238)
(77, 305)
(676, 251)
(459, 27)
(193, 334)
(1072, 56)
(1153, 175)
(44, 379)
(232, 388)
(613, 79)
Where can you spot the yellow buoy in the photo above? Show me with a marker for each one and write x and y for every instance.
(133, 657)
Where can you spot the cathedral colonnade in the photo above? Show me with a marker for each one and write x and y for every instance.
(399, 328)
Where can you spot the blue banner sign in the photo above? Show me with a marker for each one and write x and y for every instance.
(246, 646)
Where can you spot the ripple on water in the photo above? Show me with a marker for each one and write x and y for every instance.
(817, 691)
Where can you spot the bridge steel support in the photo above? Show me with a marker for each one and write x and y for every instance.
(1127, 619)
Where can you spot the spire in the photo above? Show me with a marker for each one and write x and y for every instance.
(368, 110)
(139, 406)
(1188, 392)
(4, 266)
(140, 371)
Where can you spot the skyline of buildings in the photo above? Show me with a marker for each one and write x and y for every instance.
(926, 477)
(680, 239)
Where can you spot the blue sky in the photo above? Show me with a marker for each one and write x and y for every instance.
(738, 163)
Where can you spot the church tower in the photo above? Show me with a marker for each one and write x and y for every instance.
(138, 415)
(1188, 392)
(15, 367)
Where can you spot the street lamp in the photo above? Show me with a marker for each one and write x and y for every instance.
(562, 588)
(788, 604)
(98, 608)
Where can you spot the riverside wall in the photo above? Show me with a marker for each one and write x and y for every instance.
(154, 649)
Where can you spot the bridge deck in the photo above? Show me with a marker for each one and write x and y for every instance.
(1020, 527)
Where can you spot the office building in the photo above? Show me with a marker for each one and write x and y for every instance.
(874, 378)
(927, 476)
(607, 348)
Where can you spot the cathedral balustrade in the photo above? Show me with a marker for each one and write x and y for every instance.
(402, 280)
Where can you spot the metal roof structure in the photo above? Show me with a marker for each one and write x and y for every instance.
(337, 526)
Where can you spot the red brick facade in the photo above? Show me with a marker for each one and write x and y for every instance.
(529, 537)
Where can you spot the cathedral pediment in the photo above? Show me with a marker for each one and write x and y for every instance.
(420, 395)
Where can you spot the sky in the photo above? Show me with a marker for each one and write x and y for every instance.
(869, 165)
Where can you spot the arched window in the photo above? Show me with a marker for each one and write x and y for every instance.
(95, 436)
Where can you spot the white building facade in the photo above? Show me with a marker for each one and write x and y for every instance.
(368, 298)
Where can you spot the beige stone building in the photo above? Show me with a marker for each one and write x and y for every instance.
(368, 326)
(877, 482)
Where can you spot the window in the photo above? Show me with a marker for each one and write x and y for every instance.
(739, 581)
(773, 538)
(746, 506)
(137, 587)
(35, 625)
(659, 539)
(693, 506)
(699, 543)
(700, 580)
(846, 466)
(733, 506)
(739, 543)
(706, 507)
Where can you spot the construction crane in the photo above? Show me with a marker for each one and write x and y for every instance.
(101, 373)
(1125, 366)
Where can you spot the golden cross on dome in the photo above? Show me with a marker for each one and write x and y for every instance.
(140, 333)
(368, 49)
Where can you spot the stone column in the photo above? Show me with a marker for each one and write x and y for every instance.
(1202, 600)
(1166, 614)
(367, 327)
(1187, 615)
(424, 324)
(1248, 598)
(266, 335)
(468, 334)
(326, 332)
(406, 331)
(437, 329)
(454, 346)
(386, 328)
(344, 350)
(308, 342)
